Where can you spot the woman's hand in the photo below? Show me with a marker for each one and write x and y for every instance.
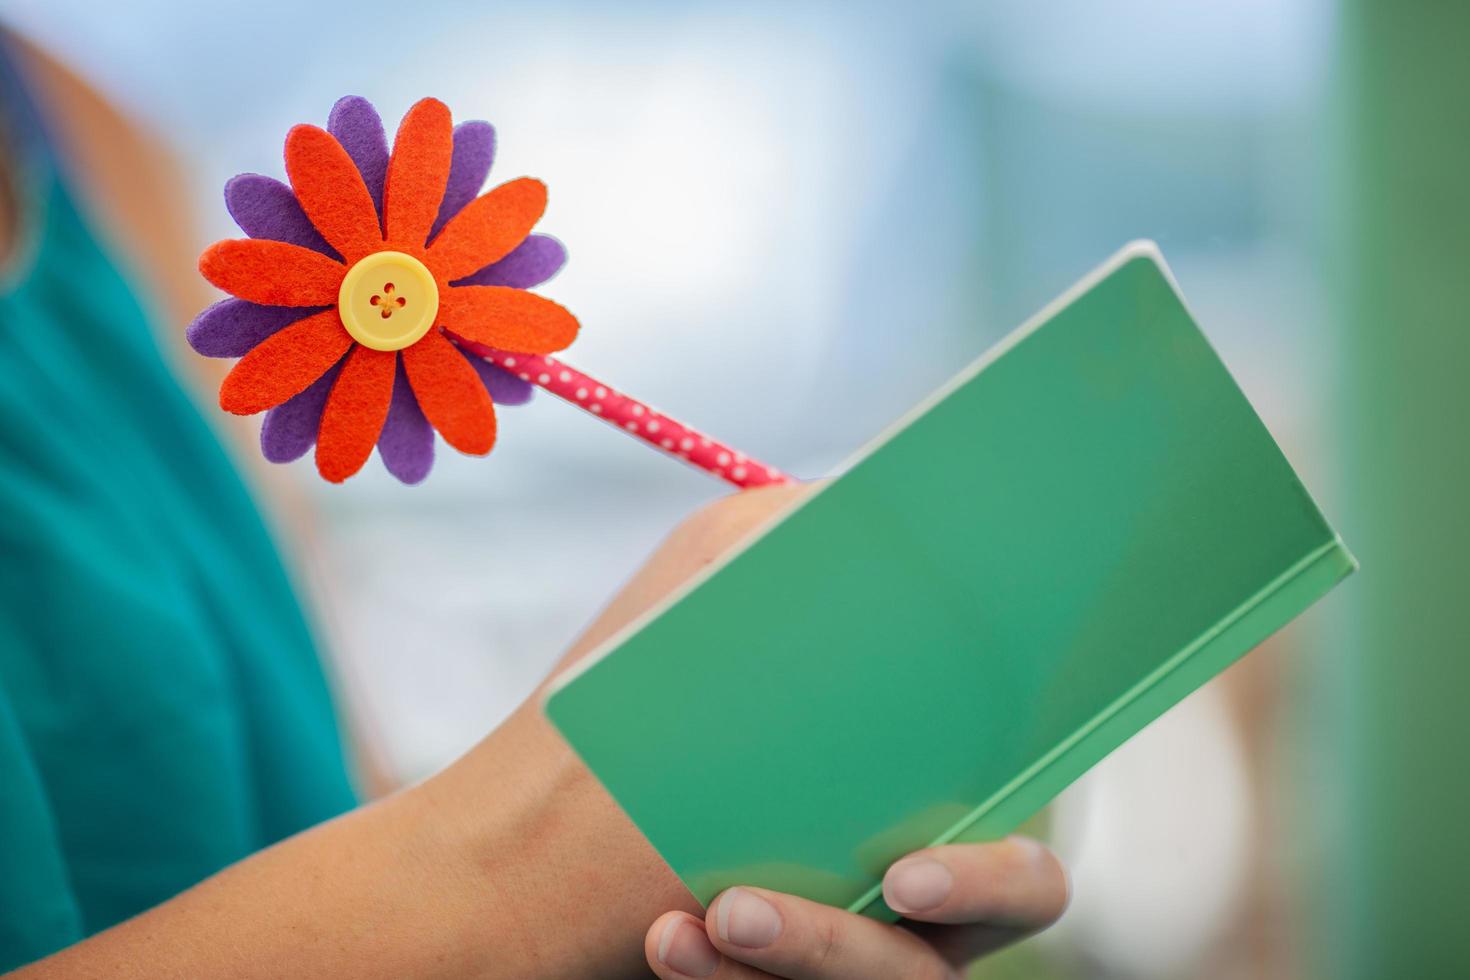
(961, 902)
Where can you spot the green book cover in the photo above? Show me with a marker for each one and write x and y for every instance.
(1072, 535)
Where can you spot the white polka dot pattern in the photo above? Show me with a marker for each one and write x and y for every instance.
(636, 418)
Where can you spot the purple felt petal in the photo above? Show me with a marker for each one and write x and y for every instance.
(505, 388)
(529, 264)
(232, 327)
(289, 430)
(359, 129)
(264, 207)
(406, 442)
(474, 151)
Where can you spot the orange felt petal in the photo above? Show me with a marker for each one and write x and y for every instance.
(417, 173)
(331, 192)
(355, 412)
(284, 364)
(272, 273)
(508, 318)
(451, 394)
(488, 228)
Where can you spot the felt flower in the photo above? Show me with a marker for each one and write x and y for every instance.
(366, 285)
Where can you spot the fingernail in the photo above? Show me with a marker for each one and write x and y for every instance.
(685, 948)
(746, 919)
(917, 885)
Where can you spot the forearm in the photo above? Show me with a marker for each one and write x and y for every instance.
(376, 892)
(513, 862)
(575, 880)
(493, 868)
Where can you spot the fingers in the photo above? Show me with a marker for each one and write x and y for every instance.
(678, 948)
(964, 900)
(801, 940)
(1015, 883)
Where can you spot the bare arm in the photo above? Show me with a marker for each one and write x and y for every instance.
(513, 862)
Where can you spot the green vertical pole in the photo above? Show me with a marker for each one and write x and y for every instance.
(1402, 905)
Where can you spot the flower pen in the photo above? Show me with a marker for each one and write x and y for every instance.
(380, 298)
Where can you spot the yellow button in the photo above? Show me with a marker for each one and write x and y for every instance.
(388, 300)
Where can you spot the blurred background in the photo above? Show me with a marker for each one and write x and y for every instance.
(789, 222)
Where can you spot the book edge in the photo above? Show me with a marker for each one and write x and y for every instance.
(1330, 552)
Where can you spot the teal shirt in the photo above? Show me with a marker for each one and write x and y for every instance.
(163, 712)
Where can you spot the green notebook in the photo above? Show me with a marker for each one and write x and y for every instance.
(1082, 528)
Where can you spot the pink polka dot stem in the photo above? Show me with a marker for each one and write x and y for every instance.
(636, 418)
